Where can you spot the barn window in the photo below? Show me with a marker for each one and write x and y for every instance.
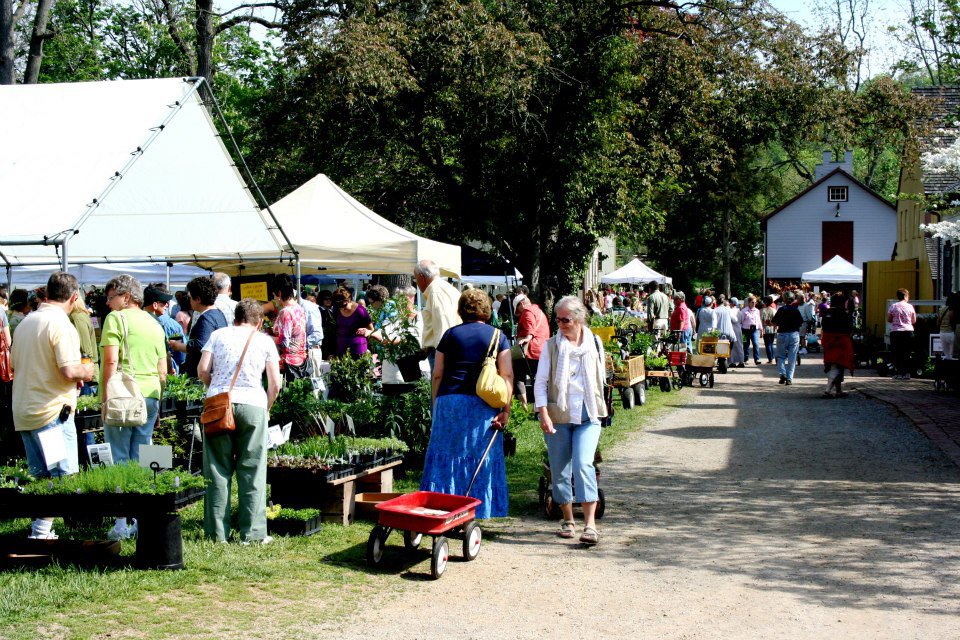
(837, 194)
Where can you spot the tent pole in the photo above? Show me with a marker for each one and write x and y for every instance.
(9, 277)
(298, 277)
(169, 266)
(65, 260)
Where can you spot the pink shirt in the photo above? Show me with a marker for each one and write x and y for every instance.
(290, 330)
(902, 316)
(750, 318)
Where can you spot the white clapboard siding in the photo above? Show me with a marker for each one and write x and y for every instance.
(794, 242)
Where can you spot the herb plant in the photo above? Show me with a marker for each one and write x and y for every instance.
(129, 478)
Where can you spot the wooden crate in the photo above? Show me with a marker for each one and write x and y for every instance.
(633, 372)
(366, 504)
(709, 345)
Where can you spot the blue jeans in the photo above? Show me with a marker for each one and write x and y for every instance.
(125, 441)
(41, 468)
(787, 345)
(686, 339)
(751, 338)
(571, 450)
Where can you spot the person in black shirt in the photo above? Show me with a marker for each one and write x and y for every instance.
(787, 319)
(837, 344)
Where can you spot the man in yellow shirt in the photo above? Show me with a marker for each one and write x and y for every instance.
(46, 359)
(440, 300)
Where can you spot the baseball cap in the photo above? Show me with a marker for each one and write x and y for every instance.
(153, 294)
(707, 300)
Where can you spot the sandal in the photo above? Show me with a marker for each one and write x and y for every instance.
(590, 536)
(567, 529)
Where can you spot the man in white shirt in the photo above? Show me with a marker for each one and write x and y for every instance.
(440, 300)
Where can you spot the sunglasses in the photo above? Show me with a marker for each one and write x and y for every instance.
(564, 320)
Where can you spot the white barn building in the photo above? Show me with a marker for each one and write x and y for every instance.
(836, 215)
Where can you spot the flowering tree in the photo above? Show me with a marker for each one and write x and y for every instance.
(946, 230)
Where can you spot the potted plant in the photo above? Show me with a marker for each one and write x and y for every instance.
(656, 363)
(401, 336)
(293, 522)
(351, 377)
(187, 394)
(88, 413)
(298, 404)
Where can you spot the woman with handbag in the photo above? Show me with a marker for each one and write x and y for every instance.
(569, 398)
(233, 362)
(133, 370)
(462, 420)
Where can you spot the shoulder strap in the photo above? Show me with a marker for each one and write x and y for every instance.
(123, 345)
(491, 350)
(236, 371)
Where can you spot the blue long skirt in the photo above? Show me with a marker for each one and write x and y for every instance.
(461, 431)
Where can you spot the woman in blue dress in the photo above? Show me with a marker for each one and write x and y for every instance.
(462, 422)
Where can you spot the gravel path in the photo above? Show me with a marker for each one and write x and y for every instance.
(753, 511)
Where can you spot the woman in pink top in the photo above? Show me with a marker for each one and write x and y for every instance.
(750, 324)
(290, 330)
(902, 317)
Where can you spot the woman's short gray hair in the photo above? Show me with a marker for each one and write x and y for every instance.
(574, 306)
(408, 290)
(125, 283)
(427, 269)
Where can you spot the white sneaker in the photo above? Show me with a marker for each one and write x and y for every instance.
(50, 536)
(266, 540)
(133, 529)
(803, 352)
(905, 377)
(119, 532)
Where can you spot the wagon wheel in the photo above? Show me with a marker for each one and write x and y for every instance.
(705, 379)
(542, 489)
(411, 540)
(711, 381)
(552, 509)
(376, 544)
(626, 398)
(601, 504)
(441, 553)
(472, 536)
(640, 393)
(677, 380)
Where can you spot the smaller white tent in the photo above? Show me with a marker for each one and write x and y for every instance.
(635, 272)
(836, 270)
(100, 274)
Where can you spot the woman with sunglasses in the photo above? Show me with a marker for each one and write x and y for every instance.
(569, 397)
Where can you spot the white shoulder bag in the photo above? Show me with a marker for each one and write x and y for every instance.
(125, 406)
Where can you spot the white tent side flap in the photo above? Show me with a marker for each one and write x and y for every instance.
(835, 270)
(136, 167)
(335, 234)
(635, 272)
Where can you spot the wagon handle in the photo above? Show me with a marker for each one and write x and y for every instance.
(482, 460)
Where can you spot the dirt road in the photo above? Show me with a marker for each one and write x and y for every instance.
(753, 511)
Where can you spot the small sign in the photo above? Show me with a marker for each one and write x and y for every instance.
(162, 454)
(100, 454)
(256, 290)
(936, 346)
(95, 321)
(53, 445)
(350, 426)
(278, 435)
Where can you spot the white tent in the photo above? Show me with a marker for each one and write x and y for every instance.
(335, 234)
(89, 274)
(635, 272)
(836, 269)
(132, 170)
(496, 281)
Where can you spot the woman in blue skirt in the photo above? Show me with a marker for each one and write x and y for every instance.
(462, 422)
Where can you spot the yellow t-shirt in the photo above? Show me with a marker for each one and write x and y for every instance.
(147, 343)
(45, 341)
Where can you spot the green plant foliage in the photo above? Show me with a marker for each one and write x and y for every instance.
(655, 363)
(171, 433)
(297, 403)
(399, 326)
(88, 404)
(182, 387)
(641, 342)
(129, 477)
(300, 515)
(409, 417)
(351, 378)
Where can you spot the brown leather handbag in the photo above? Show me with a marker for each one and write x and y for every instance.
(217, 416)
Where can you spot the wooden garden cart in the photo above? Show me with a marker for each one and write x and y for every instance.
(630, 379)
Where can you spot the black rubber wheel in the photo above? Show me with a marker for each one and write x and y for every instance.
(705, 379)
(711, 381)
(601, 504)
(542, 489)
(626, 396)
(441, 554)
(376, 544)
(721, 365)
(882, 370)
(640, 393)
(665, 384)
(553, 509)
(412, 540)
(918, 372)
(472, 537)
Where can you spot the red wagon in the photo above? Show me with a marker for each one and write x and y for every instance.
(433, 514)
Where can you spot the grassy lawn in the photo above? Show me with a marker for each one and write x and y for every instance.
(228, 590)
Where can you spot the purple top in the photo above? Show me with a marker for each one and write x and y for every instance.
(347, 338)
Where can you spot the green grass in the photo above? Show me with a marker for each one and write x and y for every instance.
(228, 590)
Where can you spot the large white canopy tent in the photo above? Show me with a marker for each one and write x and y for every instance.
(125, 171)
(333, 233)
(99, 274)
(635, 272)
(834, 270)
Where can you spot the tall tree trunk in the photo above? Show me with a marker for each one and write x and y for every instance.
(726, 253)
(35, 57)
(7, 22)
(205, 37)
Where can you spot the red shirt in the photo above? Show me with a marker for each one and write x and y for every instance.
(533, 322)
(680, 319)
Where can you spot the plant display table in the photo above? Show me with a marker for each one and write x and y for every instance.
(159, 540)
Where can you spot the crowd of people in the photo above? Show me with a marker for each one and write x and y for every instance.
(249, 348)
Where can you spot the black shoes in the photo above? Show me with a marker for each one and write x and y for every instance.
(783, 379)
(757, 362)
(788, 382)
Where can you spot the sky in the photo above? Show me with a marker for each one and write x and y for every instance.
(884, 48)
